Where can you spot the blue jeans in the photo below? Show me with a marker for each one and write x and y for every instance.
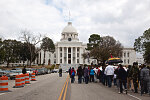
(72, 79)
(109, 80)
(79, 79)
(86, 79)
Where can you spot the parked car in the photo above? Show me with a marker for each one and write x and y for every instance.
(30, 71)
(14, 72)
(1, 72)
(35, 71)
(55, 71)
(6, 73)
(39, 72)
(42, 71)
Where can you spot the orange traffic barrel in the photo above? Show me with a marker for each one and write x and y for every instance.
(18, 81)
(27, 78)
(33, 77)
(22, 79)
(3, 84)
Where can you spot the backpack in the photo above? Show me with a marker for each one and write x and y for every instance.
(73, 73)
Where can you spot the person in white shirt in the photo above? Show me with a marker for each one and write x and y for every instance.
(109, 72)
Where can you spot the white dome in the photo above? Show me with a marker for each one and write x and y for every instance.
(69, 29)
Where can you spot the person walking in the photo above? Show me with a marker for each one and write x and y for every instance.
(79, 73)
(60, 72)
(122, 76)
(99, 75)
(135, 76)
(24, 70)
(104, 78)
(69, 72)
(109, 72)
(73, 72)
(86, 75)
(83, 74)
(129, 79)
(92, 72)
(145, 77)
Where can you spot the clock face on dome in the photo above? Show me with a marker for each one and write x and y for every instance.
(69, 39)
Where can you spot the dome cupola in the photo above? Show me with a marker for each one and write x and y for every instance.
(69, 28)
(69, 33)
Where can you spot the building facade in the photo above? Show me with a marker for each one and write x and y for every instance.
(69, 50)
(128, 56)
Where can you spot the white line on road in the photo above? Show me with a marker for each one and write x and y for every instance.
(2, 93)
(134, 97)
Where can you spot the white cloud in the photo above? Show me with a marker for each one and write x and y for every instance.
(125, 20)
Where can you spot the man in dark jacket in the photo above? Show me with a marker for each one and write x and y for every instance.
(145, 77)
(24, 70)
(122, 76)
(79, 73)
(60, 72)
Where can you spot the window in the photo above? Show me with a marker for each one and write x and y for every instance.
(60, 60)
(69, 55)
(69, 50)
(73, 54)
(124, 54)
(128, 61)
(54, 61)
(60, 54)
(60, 49)
(77, 54)
(65, 55)
(78, 49)
(54, 55)
(77, 60)
(128, 54)
(124, 61)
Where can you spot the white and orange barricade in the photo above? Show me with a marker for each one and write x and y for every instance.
(22, 79)
(3, 84)
(33, 77)
(18, 81)
(27, 78)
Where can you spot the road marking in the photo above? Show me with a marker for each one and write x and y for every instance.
(63, 89)
(2, 93)
(64, 98)
(134, 97)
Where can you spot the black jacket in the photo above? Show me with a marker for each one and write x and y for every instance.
(122, 74)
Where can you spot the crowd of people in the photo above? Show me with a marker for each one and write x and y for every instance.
(131, 78)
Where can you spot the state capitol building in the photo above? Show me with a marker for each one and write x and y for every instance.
(69, 50)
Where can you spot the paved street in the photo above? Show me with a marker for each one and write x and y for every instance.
(47, 87)
(52, 87)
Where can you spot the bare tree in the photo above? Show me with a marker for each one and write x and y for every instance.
(31, 41)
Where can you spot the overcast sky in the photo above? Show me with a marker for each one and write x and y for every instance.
(125, 20)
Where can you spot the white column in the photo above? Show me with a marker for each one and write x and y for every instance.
(75, 55)
(71, 55)
(58, 56)
(80, 62)
(67, 55)
(62, 55)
